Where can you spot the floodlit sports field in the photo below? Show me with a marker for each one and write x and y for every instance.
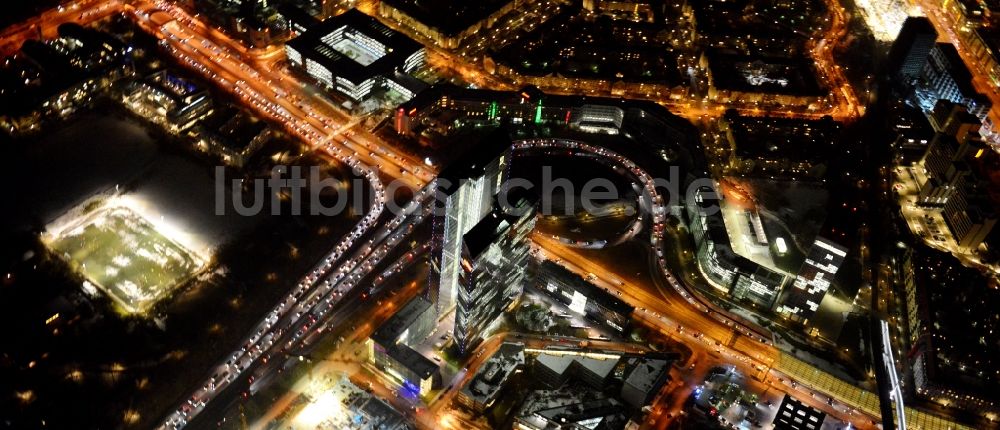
(124, 255)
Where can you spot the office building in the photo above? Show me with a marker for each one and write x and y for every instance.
(909, 52)
(597, 118)
(443, 107)
(950, 155)
(355, 55)
(299, 20)
(726, 270)
(813, 280)
(168, 99)
(484, 388)
(945, 173)
(952, 324)
(913, 132)
(644, 377)
(494, 267)
(596, 414)
(467, 187)
(969, 215)
(584, 298)
(945, 76)
(795, 415)
(555, 369)
(390, 351)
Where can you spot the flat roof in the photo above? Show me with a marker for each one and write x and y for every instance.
(591, 291)
(393, 328)
(412, 360)
(472, 163)
(795, 415)
(646, 373)
(497, 223)
(492, 374)
(606, 409)
(312, 46)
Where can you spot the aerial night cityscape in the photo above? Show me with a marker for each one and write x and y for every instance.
(500, 214)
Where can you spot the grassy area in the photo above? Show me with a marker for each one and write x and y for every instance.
(124, 255)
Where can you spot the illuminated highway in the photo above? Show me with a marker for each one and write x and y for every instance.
(674, 312)
(82, 12)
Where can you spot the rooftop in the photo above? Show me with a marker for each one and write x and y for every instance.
(497, 223)
(560, 363)
(795, 415)
(389, 332)
(494, 372)
(350, 59)
(646, 372)
(591, 291)
(473, 162)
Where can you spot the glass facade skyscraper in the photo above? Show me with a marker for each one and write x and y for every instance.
(465, 196)
(493, 268)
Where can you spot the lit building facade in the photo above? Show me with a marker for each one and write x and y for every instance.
(945, 76)
(494, 266)
(598, 118)
(354, 55)
(912, 45)
(726, 270)
(465, 191)
(952, 321)
(390, 351)
(813, 280)
(584, 298)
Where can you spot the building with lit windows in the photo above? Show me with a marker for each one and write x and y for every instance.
(598, 118)
(466, 189)
(909, 52)
(488, 383)
(795, 415)
(447, 22)
(584, 298)
(970, 215)
(168, 99)
(494, 267)
(444, 108)
(727, 271)
(945, 76)
(52, 79)
(913, 133)
(390, 351)
(948, 168)
(813, 280)
(779, 147)
(738, 78)
(953, 329)
(355, 55)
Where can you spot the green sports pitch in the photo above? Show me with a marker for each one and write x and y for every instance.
(124, 255)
